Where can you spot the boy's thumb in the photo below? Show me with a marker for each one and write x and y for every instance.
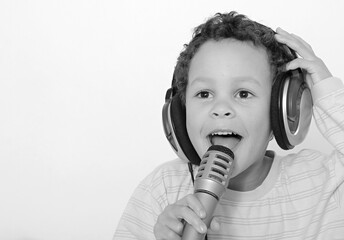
(215, 224)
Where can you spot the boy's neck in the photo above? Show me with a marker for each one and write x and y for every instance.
(249, 179)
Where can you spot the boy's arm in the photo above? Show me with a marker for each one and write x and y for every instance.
(140, 215)
(167, 185)
(328, 99)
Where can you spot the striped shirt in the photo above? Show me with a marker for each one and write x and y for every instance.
(302, 197)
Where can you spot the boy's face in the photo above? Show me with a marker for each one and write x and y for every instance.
(228, 91)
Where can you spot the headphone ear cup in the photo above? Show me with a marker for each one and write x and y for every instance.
(174, 121)
(178, 117)
(291, 109)
(276, 114)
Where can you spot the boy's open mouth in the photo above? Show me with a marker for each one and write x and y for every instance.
(225, 138)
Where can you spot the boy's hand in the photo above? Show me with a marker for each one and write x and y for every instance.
(308, 61)
(189, 209)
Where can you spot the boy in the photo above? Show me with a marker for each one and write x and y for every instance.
(224, 77)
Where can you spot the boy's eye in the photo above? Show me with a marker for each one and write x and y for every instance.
(203, 94)
(244, 94)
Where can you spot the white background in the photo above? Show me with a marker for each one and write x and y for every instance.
(82, 84)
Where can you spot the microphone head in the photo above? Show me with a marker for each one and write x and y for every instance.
(223, 149)
(215, 170)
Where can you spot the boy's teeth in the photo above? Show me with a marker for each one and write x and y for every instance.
(225, 138)
(223, 133)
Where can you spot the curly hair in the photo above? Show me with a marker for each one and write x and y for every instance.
(235, 26)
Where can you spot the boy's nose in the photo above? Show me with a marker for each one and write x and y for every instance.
(225, 114)
(222, 110)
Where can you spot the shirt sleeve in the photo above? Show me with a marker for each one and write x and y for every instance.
(328, 98)
(165, 185)
(140, 214)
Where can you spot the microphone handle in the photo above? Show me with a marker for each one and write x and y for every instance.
(209, 203)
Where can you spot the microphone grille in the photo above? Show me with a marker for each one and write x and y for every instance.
(216, 164)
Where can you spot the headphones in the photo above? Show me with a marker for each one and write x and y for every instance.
(290, 115)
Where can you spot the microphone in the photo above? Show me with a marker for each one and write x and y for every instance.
(211, 182)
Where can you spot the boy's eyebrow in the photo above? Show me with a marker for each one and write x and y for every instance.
(248, 79)
(201, 80)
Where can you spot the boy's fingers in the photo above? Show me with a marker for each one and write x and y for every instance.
(302, 41)
(193, 203)
(314, 66)
(292, 35)
(296, 43)
(192, 218)
(296, 46)
(317, 69)
(162, 231)
(167, 234)
(186, 209)
(176, 226)
(297, 63)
